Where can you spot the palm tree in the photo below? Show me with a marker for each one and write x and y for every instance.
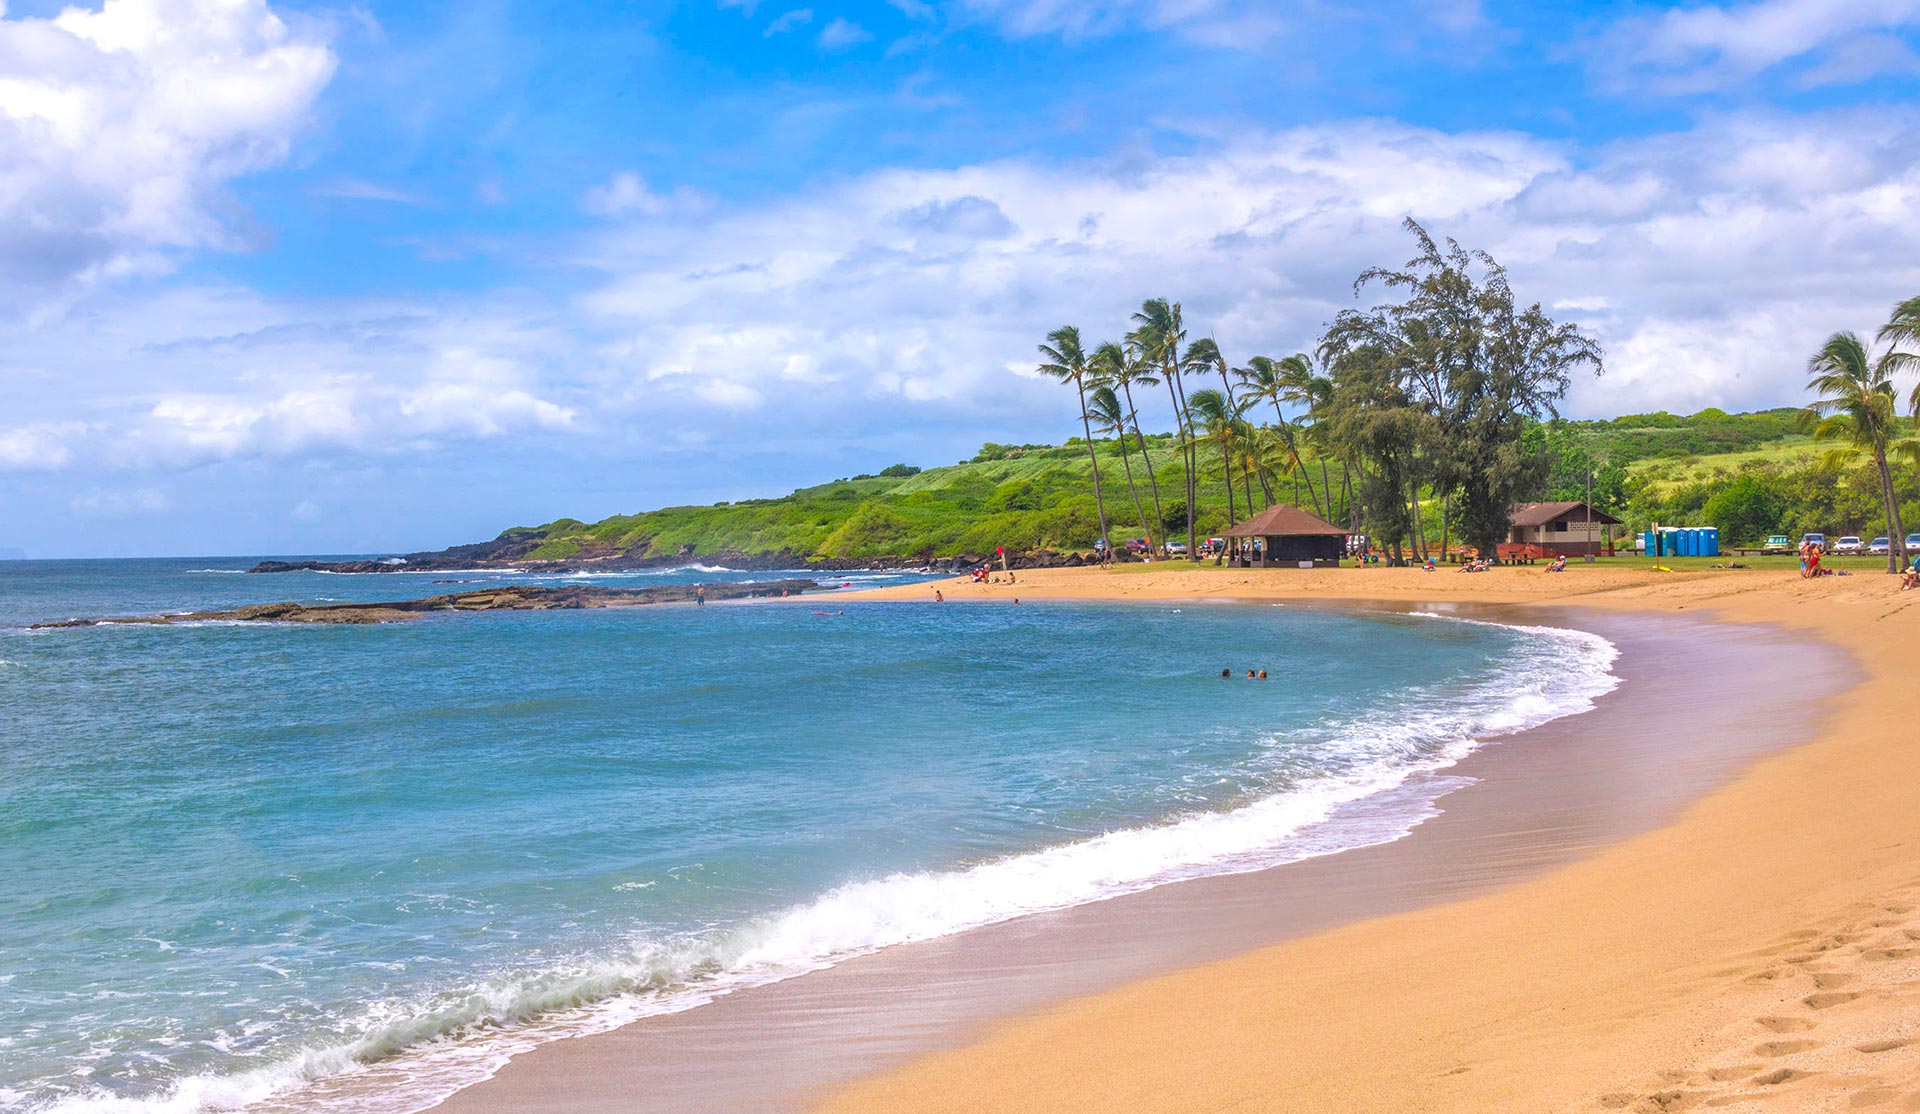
(1854, 402)
(1904, 328)
(1123, 366)
(1213, 415)
(1067, 362)
(1203, 355)
(1159, 332)
(1111, 417)
(1304, 388)
(1262, 377)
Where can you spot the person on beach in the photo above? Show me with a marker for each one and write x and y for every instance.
(1559, 564)
(939, 596)
(700, 595)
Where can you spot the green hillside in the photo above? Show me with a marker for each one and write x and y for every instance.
(1748, 473)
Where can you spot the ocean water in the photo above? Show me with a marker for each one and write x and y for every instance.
(352, 868)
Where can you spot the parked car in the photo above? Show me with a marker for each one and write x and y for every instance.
(1913, 543)
(1850, 543)
(1814, 539)
(1880, 547)
(1175, 549)
(1776, 543)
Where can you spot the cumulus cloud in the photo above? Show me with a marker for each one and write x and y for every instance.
(787, 21)
(1709, 262)
(119, 129)
(1712, 46)
(41, 445)
(842, 33)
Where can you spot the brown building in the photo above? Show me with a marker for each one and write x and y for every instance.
(1284, 536)
(1570, 528)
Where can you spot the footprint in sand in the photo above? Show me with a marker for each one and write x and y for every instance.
(1831, 980)
(1784, 1024)
(1734, 1073)
(1784, 1075)
(1829, 999)
(1773, 1049)
(1882, 1046)
(1883, 955)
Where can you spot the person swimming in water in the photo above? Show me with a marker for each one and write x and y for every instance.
(1226, 674)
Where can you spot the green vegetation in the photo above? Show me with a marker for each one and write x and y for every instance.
(1418, 422)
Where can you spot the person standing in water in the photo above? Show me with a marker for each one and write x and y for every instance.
(700, 595)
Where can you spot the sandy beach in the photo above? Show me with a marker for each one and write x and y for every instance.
(1515, 953)
(1761, 951)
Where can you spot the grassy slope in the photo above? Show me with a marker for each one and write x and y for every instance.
(1037, 497)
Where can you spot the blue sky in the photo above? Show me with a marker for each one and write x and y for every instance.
(299, 277)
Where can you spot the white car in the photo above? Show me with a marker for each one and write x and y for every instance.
(1849, 544)
(1880, 547)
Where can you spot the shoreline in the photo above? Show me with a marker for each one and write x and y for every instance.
(768, 1033)
(1756, 952)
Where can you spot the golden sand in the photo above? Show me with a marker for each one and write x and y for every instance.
(1762, 952)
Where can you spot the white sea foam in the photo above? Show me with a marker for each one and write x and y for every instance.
(403, 1058)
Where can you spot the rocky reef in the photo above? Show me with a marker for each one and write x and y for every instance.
(509, 598)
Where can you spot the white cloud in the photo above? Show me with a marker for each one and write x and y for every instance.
(41, 445)
(356, 189)
(1240, 24)
(1709, 262)
(1711, 46)
(119, 129)
(787, 21)
(625, 192)
(841, 34)
(121, 503)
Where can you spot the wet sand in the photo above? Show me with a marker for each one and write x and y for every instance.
(1699, 701)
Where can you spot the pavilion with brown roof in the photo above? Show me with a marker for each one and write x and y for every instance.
(1286, 536)
(1572, 528)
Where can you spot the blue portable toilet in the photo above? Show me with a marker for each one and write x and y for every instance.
(1711, 537)
(1688, 542)
(1693, 541)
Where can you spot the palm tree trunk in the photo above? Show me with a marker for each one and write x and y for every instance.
(1301, 465)
(1892, 500)
(1186, 447)
(1153, 481)
(1126, 461)
(1226, 476)
(1086, 423)
(1419, 525)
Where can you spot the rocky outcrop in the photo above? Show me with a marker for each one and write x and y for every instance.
(454, 560)
(509, 598)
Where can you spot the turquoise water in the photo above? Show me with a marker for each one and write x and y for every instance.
(353, 867)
